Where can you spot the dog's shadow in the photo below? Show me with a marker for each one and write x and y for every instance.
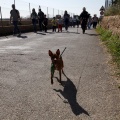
(69, 93)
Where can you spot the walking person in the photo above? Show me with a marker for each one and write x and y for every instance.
(66, 20)
(74, 21)
(77, 21)
(60, 23)
(40, 18)
(34, 18)
(84, 18)
(45, 23)
(95, 21)
(54, 24)
(71, 22)
(89, 22)
(14, 19)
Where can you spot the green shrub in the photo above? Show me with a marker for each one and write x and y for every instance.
(113, 10)
(112, 42)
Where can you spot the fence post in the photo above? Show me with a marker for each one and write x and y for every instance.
(29, 10)
(47, 12)
(1, 14)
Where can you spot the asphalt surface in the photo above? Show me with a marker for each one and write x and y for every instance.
(88, 92)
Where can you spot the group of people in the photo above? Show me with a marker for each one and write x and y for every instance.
(36, 18)
(84, 19)
(87, 20)
(92, 21)
(39, 18)
(59, 22)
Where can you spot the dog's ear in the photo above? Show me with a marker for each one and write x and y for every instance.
(58, 52)
(50, 53)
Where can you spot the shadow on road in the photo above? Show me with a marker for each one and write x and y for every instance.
(92, 34)
(22, 36)
(51, 32)
(71, 32)
(69, 93)
(41, 33)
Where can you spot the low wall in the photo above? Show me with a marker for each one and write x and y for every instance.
(26, 26)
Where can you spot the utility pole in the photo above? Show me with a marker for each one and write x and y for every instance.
(14, 2)
(47, 13)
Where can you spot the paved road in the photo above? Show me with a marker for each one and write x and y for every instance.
(88, 92)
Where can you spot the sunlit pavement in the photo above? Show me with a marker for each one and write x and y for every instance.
(88, 93)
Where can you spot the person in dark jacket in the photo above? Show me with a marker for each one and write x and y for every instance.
(66, 20)
(40, 18)
(34, 18)
(95, 21)
(84, 18)
(45, 23)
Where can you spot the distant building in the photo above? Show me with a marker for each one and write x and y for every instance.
(58, 16)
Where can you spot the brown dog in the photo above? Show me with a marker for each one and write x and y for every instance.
(57, 64)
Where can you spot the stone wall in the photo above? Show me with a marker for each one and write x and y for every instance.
(26, 26)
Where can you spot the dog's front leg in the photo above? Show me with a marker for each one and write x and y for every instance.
(52, 74)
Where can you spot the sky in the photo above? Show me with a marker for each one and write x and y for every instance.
(72, 6)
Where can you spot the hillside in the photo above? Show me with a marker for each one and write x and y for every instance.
(112, 23)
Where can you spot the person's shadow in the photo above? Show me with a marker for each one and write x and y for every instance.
(41, 33)
(21, 36)
(69, 93)
(92, 34)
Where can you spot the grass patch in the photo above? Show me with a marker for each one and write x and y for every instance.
(113, 44)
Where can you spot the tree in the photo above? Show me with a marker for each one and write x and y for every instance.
(115, 1)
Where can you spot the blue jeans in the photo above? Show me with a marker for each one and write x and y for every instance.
(16, 29)
(89, 25)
